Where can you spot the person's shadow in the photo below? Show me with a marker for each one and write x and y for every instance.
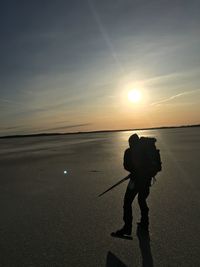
(113, 261)
(145, 248)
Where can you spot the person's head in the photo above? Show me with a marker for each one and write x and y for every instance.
(133, 140)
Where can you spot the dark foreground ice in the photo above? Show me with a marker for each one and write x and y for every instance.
(51, 215)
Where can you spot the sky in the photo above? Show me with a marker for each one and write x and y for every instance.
(67, 66)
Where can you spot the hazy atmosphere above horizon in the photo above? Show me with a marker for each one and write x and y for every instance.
(85, 65)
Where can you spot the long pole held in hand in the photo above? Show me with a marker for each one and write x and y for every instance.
(110, 188)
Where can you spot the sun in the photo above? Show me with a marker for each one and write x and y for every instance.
(134, 96)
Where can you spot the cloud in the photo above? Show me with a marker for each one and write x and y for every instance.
(31, 130)
(7, 101)
(10, 128)
(67, 127)
(174, 97)
(173, 76)
(105, 35)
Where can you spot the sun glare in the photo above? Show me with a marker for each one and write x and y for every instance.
(134, 96)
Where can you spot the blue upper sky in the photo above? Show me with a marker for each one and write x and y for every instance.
(68, 65)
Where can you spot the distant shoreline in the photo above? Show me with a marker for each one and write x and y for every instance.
(100, 131)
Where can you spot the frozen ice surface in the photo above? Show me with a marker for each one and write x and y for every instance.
(48, 220)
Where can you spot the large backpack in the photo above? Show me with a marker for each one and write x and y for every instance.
(150, 160)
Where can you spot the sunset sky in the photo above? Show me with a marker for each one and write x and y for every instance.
(68, 66)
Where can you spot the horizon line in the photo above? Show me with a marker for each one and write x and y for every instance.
(99, 131)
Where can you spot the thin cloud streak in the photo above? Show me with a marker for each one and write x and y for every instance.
(172, 76)
(67, 127)
(7, 101)
(173, 97)
(28, 130)
(105, 35)
(10, 128)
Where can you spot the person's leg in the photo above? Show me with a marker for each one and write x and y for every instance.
(130, 194)
(142, 196)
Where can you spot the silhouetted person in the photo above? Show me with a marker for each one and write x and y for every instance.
(135, 161)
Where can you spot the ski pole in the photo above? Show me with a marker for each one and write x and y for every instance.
(110, 188)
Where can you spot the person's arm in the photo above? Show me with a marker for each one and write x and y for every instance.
(127, 163)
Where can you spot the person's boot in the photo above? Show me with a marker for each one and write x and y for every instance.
(125, 230)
